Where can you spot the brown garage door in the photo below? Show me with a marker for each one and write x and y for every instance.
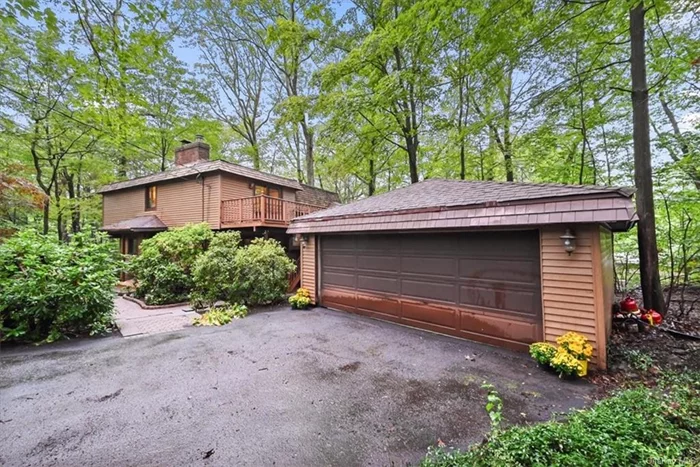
(483, 286)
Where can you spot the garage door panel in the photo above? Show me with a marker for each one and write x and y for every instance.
(340, 260)
(512, 334)
(340, 242)
(428, 243)
(379, 305)
(428, 266)
(424, 313)
(429, 290)
(339, 299)
(378, 243)
(378, 284)
(342, 279)
(523, 271)
(497, 298)
(378, 263)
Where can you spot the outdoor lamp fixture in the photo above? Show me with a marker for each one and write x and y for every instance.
(301, 239)
(569, 240)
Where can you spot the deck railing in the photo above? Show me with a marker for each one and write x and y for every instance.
(263, 209)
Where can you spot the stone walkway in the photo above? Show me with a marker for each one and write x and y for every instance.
(133, 320)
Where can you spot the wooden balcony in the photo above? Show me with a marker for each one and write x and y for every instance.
(262, 211)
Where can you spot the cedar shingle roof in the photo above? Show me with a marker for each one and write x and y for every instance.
(316, 196)
(202, 167)
(149, 223)
(438, 203)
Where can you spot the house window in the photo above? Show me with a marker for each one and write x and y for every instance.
(130, 246)
(151, 198)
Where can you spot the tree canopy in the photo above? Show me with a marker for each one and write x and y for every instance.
(358, 97)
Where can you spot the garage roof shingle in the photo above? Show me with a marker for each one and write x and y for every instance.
(439, 203)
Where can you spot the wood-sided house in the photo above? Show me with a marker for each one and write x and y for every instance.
(225, 195)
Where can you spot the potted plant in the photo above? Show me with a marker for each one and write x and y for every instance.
(543, 353)
(300, 300)
(577, 346)
(566, 365)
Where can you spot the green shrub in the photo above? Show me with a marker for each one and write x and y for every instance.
(635, 427)
(50, 289)
(163, 269)
(193, 263)
(263, 268)
(215, 272)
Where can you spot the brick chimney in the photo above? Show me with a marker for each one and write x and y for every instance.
(192, 152)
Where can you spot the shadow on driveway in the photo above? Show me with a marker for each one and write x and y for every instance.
(303, 388)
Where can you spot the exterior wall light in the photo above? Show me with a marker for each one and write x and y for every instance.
(569, 240)
(301, 239)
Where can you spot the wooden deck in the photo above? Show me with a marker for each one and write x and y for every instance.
(262, 211)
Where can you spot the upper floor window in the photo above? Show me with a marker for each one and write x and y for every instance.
(151, 197)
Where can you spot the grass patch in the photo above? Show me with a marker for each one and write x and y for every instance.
(640, 426)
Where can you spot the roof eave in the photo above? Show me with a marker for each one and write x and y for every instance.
(133, 229)
(280, 181)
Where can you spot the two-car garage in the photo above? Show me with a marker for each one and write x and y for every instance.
(478, 260)
(482, 286)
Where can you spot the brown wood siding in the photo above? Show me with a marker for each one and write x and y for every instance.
(571, 298)
(607, 278)
(179, 203)
(233, 187)
(308, 266)
(123, 205)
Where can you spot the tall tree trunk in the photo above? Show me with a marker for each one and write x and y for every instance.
(412, 149)
(460, 129)
(60, 222)
(73, 197)
(309, 152)
(507, 140)
(256, 153)
(163, 152)
(646, 228)
(371, 186)
(47, 207)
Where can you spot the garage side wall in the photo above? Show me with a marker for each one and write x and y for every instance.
(308, 266)
(572, 292)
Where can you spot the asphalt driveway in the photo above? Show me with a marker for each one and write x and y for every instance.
(282, 387)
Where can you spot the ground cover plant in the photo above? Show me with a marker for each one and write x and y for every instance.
(221, 315)
(638, 426)
(51, 289)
